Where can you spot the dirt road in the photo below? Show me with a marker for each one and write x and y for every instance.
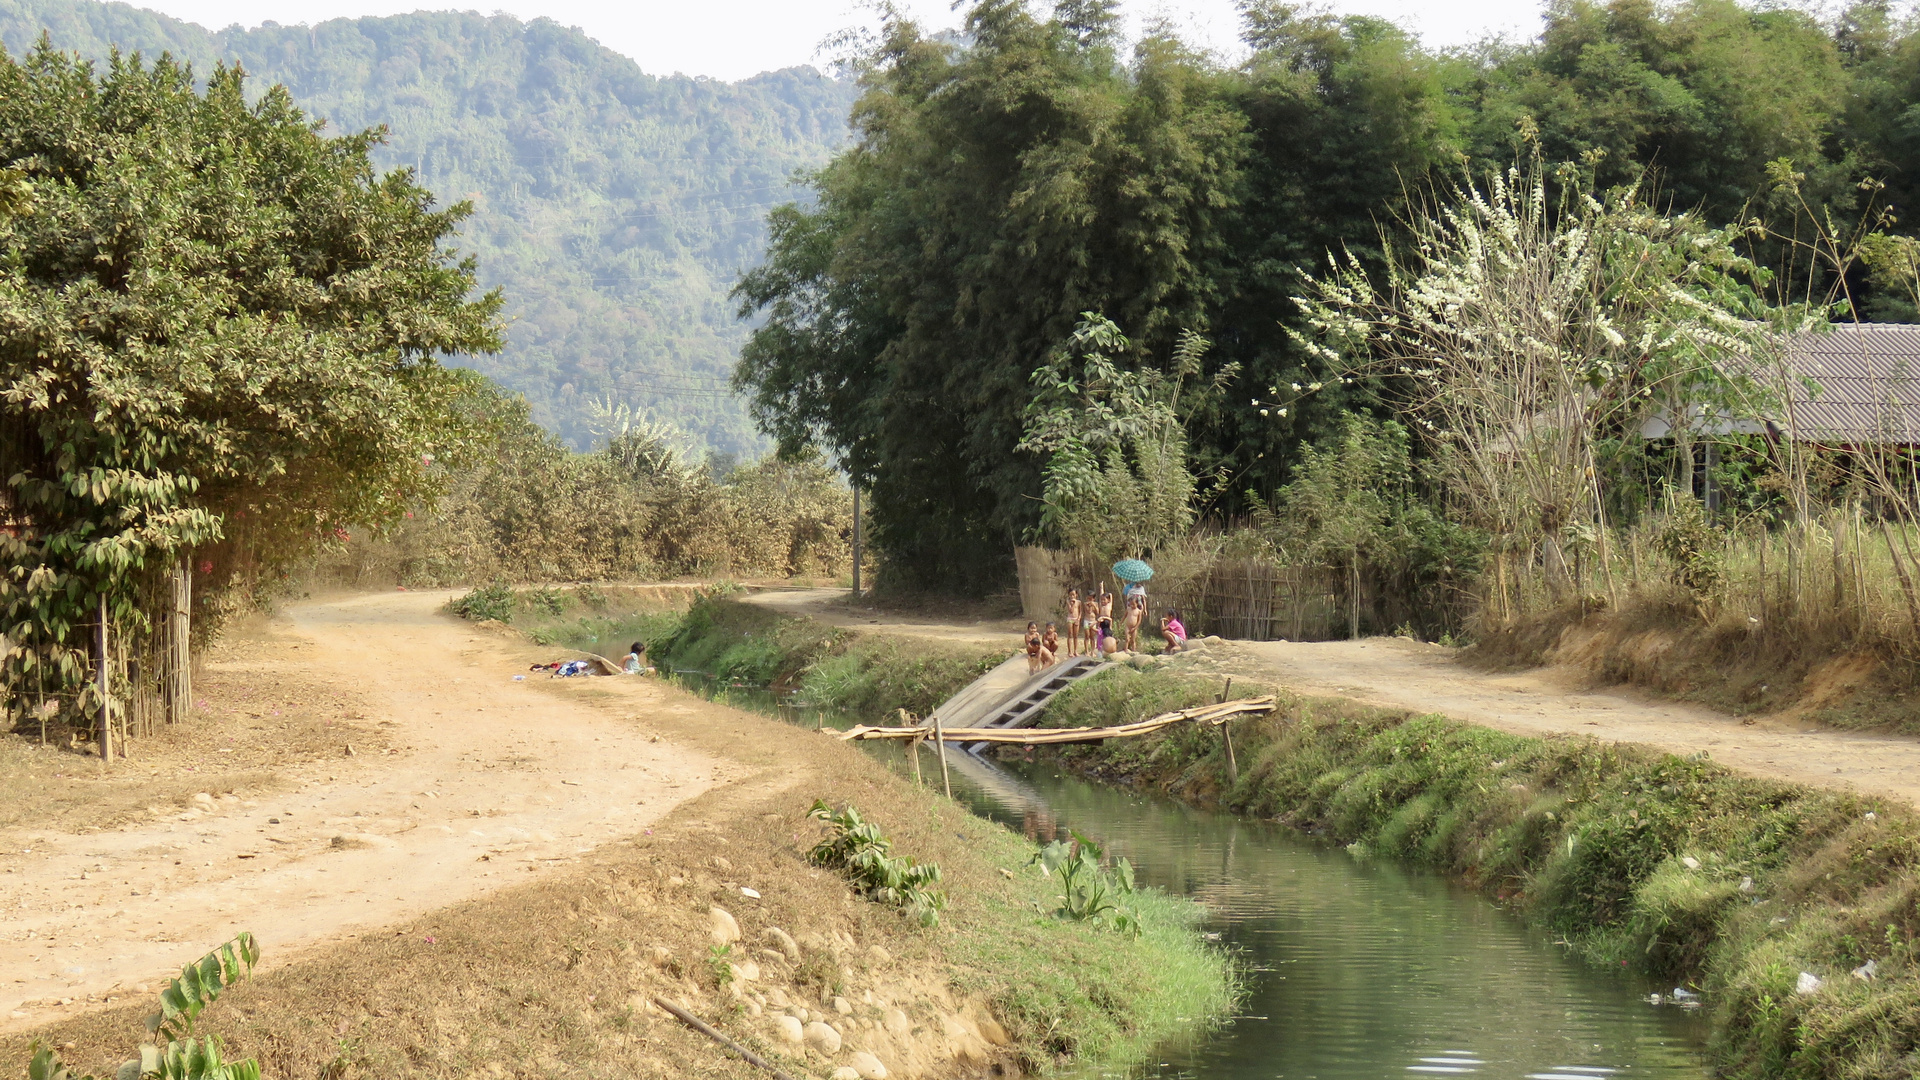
(831, 607)
(1428, 678)
(1411, 675)
(489, 780)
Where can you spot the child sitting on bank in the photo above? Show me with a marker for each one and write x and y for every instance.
(1174, 631)
(1050, 644)
(1036, 648)
(636, 662)
(1108, 643)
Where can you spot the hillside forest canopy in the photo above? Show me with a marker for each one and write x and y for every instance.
(1000, 188)
(614, 208)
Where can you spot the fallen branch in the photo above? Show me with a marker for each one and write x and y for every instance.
(702, 1027)
(1214, 715)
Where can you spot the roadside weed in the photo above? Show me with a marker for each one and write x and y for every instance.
(1092, 891)
(859, 849)
(184, 1056)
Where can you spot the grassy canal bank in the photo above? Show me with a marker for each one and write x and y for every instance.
(1764, 897)
(1729, 885)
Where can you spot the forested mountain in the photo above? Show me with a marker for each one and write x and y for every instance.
(615, 208)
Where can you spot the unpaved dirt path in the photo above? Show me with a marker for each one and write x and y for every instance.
(1403, 674)
(489, 780)
(1428, 678)
(830, 606)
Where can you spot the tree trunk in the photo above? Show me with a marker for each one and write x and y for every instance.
(180, 642)
(106, 698)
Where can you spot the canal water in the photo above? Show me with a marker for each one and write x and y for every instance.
(1356, 969)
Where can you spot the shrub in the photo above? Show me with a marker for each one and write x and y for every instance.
(1092, 891)
(488, 603)
(857, 848)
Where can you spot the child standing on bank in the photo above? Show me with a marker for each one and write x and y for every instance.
(1073, 622)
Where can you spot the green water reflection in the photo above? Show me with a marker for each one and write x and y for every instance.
(1356, 968)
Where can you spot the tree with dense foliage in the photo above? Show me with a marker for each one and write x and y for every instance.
(995, 192)
(1118, 482)
(218, 337)
(613, 207)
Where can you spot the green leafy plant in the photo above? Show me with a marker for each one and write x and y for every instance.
(548, 601)
(1092, 889)
(184, 1056)
(720, 963)
(859, 849)
(486, 602)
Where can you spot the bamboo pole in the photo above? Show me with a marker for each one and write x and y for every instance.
(1215, 714)
(940, 744)
(703, 1028)
(1226, 735)
(180, 677)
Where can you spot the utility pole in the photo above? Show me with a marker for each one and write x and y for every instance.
(856, 541)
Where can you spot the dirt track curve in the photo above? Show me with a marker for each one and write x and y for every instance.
(490, 780)
(1402, 674)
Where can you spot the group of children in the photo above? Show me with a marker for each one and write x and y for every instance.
(1090, 627)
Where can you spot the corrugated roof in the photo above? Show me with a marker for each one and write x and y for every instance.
(1866, 384)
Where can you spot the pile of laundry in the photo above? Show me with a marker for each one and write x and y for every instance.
(567, 669)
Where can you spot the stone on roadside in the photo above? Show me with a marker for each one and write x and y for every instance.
(788, 1028)
(724, 928)
(746, 971)
(868, 1067)
(822, 1037)
(897, 1022)
(781, 940)
(842, 1006)
(879, 955)
(844, 1073)
(660, 956)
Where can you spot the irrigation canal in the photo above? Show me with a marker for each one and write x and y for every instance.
(1358, 969)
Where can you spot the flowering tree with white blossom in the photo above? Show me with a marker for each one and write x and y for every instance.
(1527, 319)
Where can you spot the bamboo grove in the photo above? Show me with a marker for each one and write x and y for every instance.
(1001, 187)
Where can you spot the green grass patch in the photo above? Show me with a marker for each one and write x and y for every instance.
(1673, 866)
(864, 675)
(606, 620)
(1077, 991)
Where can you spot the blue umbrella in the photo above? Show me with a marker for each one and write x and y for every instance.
(1132, 570)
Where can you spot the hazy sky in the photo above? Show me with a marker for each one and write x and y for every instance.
(731, 39)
